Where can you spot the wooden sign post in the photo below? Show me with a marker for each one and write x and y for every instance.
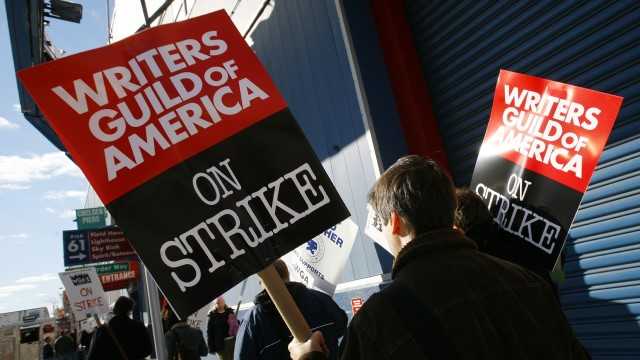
(284, 303)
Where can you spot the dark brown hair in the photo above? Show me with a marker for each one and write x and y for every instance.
(419, 191)
(471, 211)
(123, 306)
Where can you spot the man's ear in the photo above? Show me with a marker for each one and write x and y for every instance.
(396, 223)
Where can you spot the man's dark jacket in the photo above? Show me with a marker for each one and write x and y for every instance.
(186, 341)
(486, 307)
(218, 329)
(131, 334)
(63, 345)
(263, 334)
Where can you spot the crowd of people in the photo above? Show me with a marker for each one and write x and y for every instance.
(457, 292)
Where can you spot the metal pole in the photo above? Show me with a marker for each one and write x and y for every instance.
(155, 316)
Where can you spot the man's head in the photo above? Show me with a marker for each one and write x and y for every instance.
(471, 211)
(219, 304)
(123, 306)
(412, 197)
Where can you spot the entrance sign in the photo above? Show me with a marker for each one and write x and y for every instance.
(92, 218)
(86, 296)
(543, 141)
(91, 246)
(319, 262)
(118, 275)
(193, 150)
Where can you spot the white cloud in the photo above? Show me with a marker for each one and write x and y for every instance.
(9, 290)
(14, 236)
(37, 279)
(6, 124)
(63, 194)
(18, 170)
(17, 108)
(14, 187)
(67, 214)
(49, 210)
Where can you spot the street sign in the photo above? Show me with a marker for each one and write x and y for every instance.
(91, 246)
(118, 275)
(92, 218)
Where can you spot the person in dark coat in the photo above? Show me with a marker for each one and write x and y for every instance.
(222, 324)
(47, 349)
(447, 300)
(64, 346)
(184, 342)
(263, 334)
(131, 336)
(474, 219)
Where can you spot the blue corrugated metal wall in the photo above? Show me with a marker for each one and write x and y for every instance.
(595, 44)
(302, 47)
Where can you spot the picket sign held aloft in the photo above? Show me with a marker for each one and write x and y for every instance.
(85, 293)
(373, 229)
(319, 262)
(180, 131)
(542, 144)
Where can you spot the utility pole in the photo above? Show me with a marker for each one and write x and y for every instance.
(155, 315)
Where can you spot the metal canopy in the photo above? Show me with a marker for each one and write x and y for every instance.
(26, 31)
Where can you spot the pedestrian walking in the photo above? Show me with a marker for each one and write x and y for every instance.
(222, 328)
(184, 342)
(122, 338)
(47, 349)
(263, 334)
(447, 300)
(64, 346)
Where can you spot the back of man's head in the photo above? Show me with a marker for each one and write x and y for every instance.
(281, 269)
(123, 306)
(471, 211)
(419, 191)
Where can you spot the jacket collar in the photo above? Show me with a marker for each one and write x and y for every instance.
(431, 243)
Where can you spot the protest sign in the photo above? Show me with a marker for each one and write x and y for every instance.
(193, 150)
(373, 229)
(82, 247)
(542, 143)
(86, 296)
(319, 262)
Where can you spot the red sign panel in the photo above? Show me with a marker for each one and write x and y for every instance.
(142, 111)
(356, 304)
(120, 279)
(551, 128)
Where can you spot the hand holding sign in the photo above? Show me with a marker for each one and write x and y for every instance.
(188, 142)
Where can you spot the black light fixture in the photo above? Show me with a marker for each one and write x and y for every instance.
(64, 10)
